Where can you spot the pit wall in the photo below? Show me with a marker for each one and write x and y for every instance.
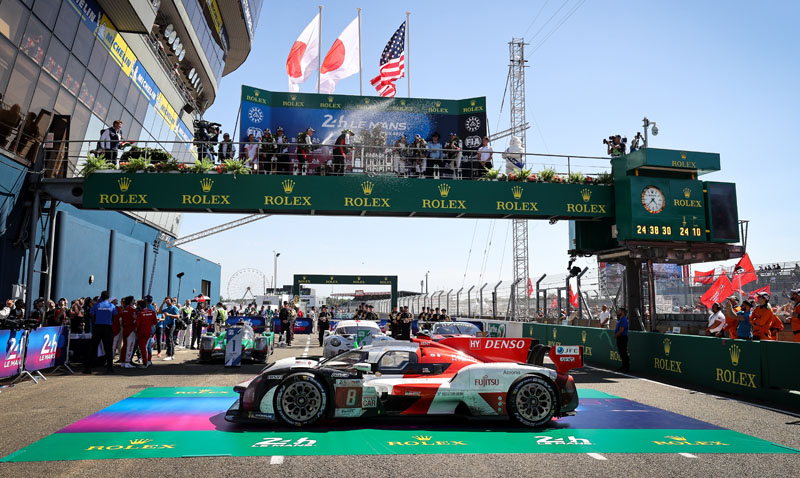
(765, 370)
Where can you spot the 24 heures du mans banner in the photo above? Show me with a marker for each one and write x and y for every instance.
(330, 114)
(356, 195)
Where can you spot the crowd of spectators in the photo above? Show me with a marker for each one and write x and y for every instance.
(127, 327)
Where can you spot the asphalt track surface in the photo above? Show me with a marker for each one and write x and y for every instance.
(31, 412)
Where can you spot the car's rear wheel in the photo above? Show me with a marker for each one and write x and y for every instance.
(532, 401)
(300, 400)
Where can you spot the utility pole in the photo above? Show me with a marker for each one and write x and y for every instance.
(516, 73)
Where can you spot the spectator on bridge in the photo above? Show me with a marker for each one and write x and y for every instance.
(766, 324)
(716, 321)
(621, 336)
(744, 329)
(435, 163)
(485, 153)
(111, 141)
(226, 150)
(282, 150)
(453, 154)
(251, 152)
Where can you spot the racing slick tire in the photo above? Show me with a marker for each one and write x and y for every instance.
(300, 400)
(532, 401)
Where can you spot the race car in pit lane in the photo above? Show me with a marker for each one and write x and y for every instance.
(441, 330)
(347, 332)
(255, 347)
(461, 375)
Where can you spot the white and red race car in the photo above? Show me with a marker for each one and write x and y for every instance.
(458, 375)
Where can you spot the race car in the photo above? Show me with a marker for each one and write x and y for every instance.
(347, 332)
(461, 375)
(441, 330)
(255, 347)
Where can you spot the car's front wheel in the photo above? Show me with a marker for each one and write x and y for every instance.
(532, 401)
(301, 400)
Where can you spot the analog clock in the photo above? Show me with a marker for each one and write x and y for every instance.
(653, 199)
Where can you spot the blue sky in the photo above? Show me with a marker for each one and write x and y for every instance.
(717, 76)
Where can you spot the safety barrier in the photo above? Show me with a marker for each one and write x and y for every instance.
(25, 353)
(758, 369)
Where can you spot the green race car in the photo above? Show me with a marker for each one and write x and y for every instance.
(256, 347)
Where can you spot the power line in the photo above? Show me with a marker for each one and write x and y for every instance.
(535, 18)
(558, 26)
(547, 22)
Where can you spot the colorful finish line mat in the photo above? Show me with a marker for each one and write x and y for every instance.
(189, 422)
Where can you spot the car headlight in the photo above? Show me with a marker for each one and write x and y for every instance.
(335, 342)
(261, 343)
(207, 343)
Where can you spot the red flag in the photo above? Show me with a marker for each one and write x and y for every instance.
(554, 304)
(530, 287)
(758, 291)
(704, 277)
(718, 292)
(573, 298)
(743, 273)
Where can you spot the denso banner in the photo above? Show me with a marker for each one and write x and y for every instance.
(12, 350)
(369, 117)
(47, 347)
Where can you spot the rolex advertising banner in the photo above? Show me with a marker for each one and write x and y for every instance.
(375, 121)
(347, 195)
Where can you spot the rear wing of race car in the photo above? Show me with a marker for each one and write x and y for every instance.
(566, 357)
(494, 349)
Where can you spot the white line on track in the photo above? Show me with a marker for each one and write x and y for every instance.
(776, 410)
(276, 460)
(687, 455)
(308, 344)
(597, 456)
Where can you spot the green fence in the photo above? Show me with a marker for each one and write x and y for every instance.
(762, 369)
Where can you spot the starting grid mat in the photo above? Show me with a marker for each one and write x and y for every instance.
(189, 422)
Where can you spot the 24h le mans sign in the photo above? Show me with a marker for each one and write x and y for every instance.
(356, 195)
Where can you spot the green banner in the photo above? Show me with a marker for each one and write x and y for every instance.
(356, 195)
(126, 445)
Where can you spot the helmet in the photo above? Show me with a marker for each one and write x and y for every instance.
(765, 295)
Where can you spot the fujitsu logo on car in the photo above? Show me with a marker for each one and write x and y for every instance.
(485, 381)
(505, 344)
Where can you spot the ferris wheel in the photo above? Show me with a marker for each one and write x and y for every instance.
(246, 283)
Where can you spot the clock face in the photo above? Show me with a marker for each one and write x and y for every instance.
(653, 199)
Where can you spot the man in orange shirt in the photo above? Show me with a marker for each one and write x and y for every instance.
(731, 319)
(766, 324)
(795, 296)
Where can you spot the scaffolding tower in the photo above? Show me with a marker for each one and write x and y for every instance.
(516, 73)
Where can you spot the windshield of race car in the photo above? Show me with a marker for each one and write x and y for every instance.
(346, 360)
(457, 329)
(351, 330)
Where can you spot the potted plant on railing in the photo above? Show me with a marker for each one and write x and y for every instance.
(491, 175)
(604, 178)
(94, 164)
(137, 165)
(234, 166)
(547, 175)
(170, 166)
(519, 175)
(153, 155)
(576, 177)
(203, 165)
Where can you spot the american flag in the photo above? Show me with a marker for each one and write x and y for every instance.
(392, 64)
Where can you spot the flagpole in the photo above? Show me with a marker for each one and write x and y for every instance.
(360, 92)
(408, 53)
(319, 49)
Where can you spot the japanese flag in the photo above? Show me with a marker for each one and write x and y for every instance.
(304, 55)
(341, 60)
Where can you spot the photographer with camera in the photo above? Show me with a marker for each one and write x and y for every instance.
(206, 135)
(616, 145)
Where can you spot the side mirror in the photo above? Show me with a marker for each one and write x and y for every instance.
(363, 367)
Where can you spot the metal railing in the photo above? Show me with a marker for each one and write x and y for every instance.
(267, 158)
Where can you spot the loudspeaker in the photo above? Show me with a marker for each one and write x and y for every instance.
(188, 108)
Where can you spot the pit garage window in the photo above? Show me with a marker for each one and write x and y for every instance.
(397, 361)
